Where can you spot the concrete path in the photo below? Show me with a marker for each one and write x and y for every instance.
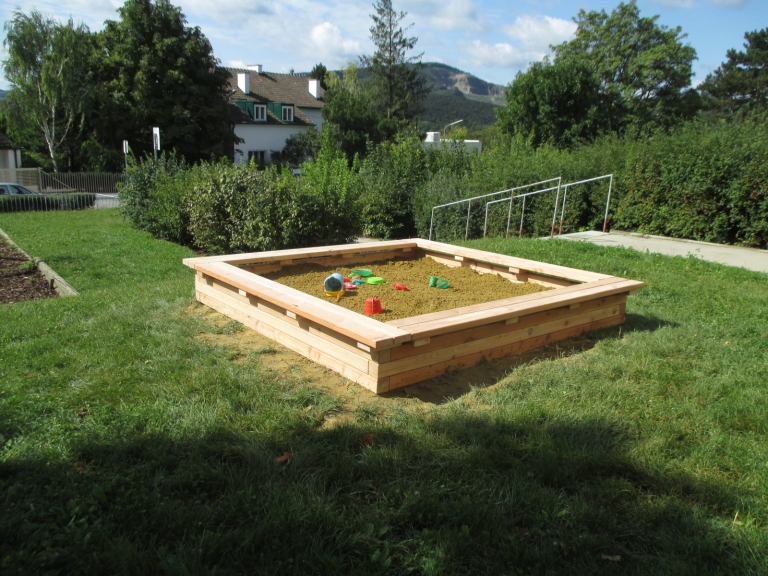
(749, 258)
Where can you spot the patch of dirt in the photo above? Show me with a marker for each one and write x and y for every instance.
(466, 287)
(20, 280)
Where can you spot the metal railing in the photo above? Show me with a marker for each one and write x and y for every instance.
(470, 200)
(524, 196)
(522, 212)
(607, 202)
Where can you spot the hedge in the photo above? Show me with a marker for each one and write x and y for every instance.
(42, 202)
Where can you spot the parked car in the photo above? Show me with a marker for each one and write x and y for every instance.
(10, 189)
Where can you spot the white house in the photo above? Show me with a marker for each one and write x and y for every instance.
(268, 108)
(10, 154)
(433, 140)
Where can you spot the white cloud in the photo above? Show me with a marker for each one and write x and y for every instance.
(731, 3)
(676, 3)
(328, 43)
(446, 15)
(539, 32)
(92, 13)
(227, 11)
(501, 54)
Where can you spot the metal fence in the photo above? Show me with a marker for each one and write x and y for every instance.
(523, 197)
(509, 191)
(93, 182)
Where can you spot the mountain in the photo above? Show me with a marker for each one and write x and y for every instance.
(455, 95)
(458, 95)
(444, 77)
(2, 94)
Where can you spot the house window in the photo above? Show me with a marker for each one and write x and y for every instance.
(258, 156)
(260, 113)
(287, 113)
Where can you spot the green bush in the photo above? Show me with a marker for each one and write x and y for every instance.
(391, 176)
(705, 181)
(242, 208)
(42, 202)
(154, 197)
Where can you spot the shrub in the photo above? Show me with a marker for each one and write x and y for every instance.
(242, 208)
(154, 197)
(391, 176)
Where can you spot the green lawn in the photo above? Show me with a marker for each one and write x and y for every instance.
(649, 445)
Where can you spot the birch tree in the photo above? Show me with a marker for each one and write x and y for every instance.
(47, 71)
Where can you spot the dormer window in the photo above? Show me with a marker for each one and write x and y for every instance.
(287, 113)
(260, 113)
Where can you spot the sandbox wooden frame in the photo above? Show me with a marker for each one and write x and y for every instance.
(385, 356)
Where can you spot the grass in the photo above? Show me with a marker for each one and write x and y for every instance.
(644, 454)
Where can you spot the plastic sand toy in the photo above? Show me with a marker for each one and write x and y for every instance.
(358, 281)
(361, 272)
(373, 306)
(398, 286)
(334, 286)
(376, 280)
(350, 286)
(435, 282)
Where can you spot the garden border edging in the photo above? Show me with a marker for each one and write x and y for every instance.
(62, 287)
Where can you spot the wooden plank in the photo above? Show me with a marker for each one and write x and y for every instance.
(376, 385)
(345, 261)
(404, 322)
(530, 265)
(444, 354)
(243, 309)
(444, 260)
(432, 371)
(357, 326)
(455, 338)
(313, 328)
(293, 254)
(437, 323)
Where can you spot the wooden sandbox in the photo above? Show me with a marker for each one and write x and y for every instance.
(385, 356)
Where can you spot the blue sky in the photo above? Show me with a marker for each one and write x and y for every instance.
(491, 39)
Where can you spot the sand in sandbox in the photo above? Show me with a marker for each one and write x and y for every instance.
(467, 287)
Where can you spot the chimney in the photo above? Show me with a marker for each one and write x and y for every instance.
(314, 88)
(244, 82)
(255, 67)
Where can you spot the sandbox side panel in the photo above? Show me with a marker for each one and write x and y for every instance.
(343, 261)
(495, 341)
(465, 361)
(467, 336)
(308, 345)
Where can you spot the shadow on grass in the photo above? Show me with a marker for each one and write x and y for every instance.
(454, 385)
(444, 495)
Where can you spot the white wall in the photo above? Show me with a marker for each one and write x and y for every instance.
(270, 138)
(468, 145)
(315, 115)
(9, 159)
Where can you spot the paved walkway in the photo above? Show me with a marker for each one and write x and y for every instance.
(749, 258)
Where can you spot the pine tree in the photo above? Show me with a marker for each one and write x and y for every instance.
(399, 89)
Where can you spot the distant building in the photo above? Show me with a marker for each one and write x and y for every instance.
(10, 154)
(433, 140)
(267, 108)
